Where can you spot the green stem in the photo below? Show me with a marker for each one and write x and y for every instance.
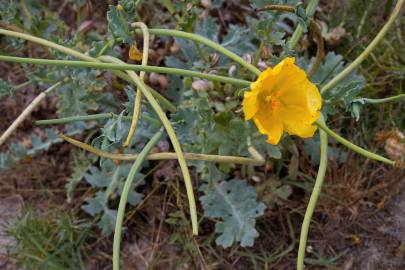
(138, 98)
(285, 8)
(313, 199)
(381, 100)
(92, 117)
(81, 56)
(124, 197)
(255, 161)
(332, 83)
(172, 135)
(123, 66)
(310, 11)
(18, 87)
(207, 42)
(352, 146)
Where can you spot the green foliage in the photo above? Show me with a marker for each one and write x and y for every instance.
(343, 94)
(54, 241)
(18, 151)
(109, 181)
(8, 11)
(119, 20)
(6, 89)
(235, 203)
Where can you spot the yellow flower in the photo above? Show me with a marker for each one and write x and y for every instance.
(283, 98)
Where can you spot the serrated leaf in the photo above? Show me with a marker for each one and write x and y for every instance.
(8, 11)
(96, 204)
(115, 129)
(6, 89)
(235, 204)
(118, 25)
(107, 221)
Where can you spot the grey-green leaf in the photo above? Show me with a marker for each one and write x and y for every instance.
(235, 203)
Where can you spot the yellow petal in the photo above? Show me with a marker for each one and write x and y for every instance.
(283, 98)
(249, 104)
(134, 53)
(269, 124)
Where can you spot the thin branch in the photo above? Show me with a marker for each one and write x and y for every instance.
(320, 49)
(138, 98)
(27, 112)
(257, 160)
(284, 8)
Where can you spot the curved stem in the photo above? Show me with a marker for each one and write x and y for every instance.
(320, 50)
(124, 66)
(92, 117)
(352, 146)
(172, 135)
(332, 83)
(381, 100)
(310, 11)
(257, 160)
(207, 42)
(313, 199)
(124, 197)
(27, 111)
(138, 98)
(79, 55)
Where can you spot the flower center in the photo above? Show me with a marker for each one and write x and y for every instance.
(273, 102)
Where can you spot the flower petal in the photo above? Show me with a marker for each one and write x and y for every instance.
(250, 104)
(269, 124)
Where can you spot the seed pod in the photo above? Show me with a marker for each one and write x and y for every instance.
(232, 71)
(214, 58)
(395, 145)
(262, 65)
(266, 53)
(202, 85)
(206, 4)
(248, 58)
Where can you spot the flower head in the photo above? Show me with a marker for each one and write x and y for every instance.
(283, 98)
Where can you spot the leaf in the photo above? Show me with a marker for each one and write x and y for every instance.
(118, 24)
(96, 204)
(107, 221)
(97, 177)
(115, 129)
(8, 11)
(6, 89)
(235, 204)
(207, 28)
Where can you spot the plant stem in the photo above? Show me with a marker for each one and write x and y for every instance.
(172, 135)
(332, 83)
(382, 100)
(138, 98)
(256, 160)
(27, 111)
(81, 56)
(123, 66)
(310, 11)
(285, 8)
(313, 199)
(92, 117)
(352, 146)
(124, 197)
(207, 42)
(320, 50)
(24, 84)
